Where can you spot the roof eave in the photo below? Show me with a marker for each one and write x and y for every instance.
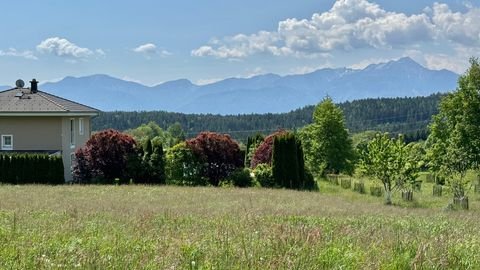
(49, 113)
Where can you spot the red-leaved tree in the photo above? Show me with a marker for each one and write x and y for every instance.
(104, 156)
(263, 154)
(220, 154)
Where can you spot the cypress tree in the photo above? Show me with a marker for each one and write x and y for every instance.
(277, 162)
(8, 169)
(15, 168)
(288, 165)
(247, 150)
(291, 160)
(2, 170)
(301, 164)
(57, 167)
(157, 162)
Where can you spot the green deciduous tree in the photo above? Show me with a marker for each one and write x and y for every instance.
(252, 144)
(183, 167)
(328, 148)
(393, 162)
(379, 161)
(152, 131)
(454, 141)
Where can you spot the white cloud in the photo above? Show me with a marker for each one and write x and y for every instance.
(146, 48)
(443, 61)
(64, 48)
(349, 25)
(13, 52)
(457, 61)
(461, 28)
(149, 49)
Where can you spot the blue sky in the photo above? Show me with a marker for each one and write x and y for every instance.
(156, 41)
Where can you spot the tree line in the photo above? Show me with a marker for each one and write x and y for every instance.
(409, 116)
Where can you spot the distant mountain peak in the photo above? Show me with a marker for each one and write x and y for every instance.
(265, 93)
(406, 59)
(404, 62)
(177, 83)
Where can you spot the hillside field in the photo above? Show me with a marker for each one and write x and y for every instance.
(164, 227)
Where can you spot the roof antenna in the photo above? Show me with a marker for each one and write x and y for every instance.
(20, 83)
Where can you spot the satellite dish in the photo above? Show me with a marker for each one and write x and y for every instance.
(19, 83)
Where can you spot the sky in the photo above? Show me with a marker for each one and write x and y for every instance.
(151, 41)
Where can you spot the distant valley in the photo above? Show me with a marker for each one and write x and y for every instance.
(268, 93)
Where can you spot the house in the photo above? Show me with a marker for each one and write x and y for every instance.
(35, 121)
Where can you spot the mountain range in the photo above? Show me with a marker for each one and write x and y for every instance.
(268, 93)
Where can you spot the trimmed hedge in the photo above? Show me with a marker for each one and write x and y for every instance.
(21, 168)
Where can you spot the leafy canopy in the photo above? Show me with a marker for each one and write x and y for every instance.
(219, 153)
(105, 156)
(328, 148)
(454, 141)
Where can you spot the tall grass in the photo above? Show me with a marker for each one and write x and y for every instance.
(139, 227)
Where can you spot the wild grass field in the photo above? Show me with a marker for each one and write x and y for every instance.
(164, 227)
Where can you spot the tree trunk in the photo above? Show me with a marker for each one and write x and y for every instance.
(388, 197)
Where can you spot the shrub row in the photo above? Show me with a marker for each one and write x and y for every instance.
(21, 168)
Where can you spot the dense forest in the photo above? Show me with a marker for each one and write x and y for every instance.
(409, 116)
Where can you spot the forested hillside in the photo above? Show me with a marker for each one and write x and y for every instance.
(396, 115)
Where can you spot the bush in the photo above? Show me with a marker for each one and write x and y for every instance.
(157, 163)
(263, 153)
(21, 168)
(252, 144)
(264, 175)
(241, 178)
(219, 153)
(183, 167)
(104, 157)
(147, 165)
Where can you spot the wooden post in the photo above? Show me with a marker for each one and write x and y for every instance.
(376, 191)
(477, 188)
(346, 183)
(461, 202)
(359, 187)
(437, 190)
(407, 195)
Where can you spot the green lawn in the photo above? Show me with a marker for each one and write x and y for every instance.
(138, 227)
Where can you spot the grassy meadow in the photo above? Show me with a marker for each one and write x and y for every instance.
(164, 227)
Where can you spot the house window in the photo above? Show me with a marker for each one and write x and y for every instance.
(80, 126)
(72, 133)
(7, 142)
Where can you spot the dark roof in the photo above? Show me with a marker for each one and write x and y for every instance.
(22, 100)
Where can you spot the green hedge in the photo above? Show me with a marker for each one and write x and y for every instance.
(20, 168)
